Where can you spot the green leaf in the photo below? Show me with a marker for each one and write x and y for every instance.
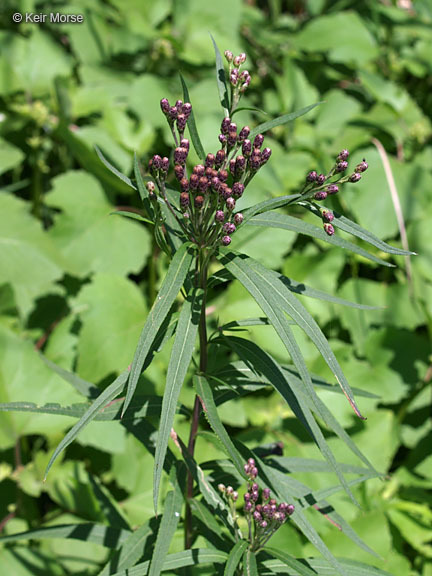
(250, 564)
(268, 205)
(352, 567)
(131, 550)
(280, 120)
(106, 396)
(234, 558)
(287, 222)
(208, 526)
(132, 215)
(82, 386)
(171, 286)
(181, 356)
(221, 79)
(264, 284)
(168, 526)
(114, 170)
(143, 192)
(191, 124)
(97, 533)
(298, 566)
(10, 156)
(205, 393)
(251, 108)
(351, 227)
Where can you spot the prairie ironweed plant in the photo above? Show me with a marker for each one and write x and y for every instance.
(193, 211)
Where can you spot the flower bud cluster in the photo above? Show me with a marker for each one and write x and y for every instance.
(240, 80)
(177, 115)
(319, 186)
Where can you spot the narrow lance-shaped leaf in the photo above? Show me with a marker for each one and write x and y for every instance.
(181, 356)
(114, 170)
(82, 386)
(221, 79)
(143, 192)
(280, 120)
(205, 393)
(250, 567)
(106, 396)
(267, 205)
(298, 566)
(286, 222)
(193, 131)
(132, 215)
(234, 558)
(170, 520)
(351, 227)
(171, 286)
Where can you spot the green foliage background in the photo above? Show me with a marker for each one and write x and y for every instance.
(76, 283)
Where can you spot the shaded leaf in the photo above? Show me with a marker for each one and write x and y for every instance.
(196, 141)
(221, 79)
(114, 170)
(281, 120)
(234, 557)
(299, 567)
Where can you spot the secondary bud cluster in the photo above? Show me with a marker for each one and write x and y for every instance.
(319, 186)
(177, 115)
(240, 80)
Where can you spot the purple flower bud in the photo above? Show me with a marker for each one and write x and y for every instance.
(332, 189)
(237, 189)
(222, 139)
(362, 167)
(199, 201)
(265, 155)
(237, 61)
(229, 228)
(355, 177)
(238, 218)
(184, 199)
(184, 184)
(320, 195)
(165, 164)
(258, 141)
(225, 125)
(226, 241)
(184, 143)
(156, 162)
(165, 107)
(343, 155)
(246, 148)
(232, 139)
(272, 502)
(252, 463)
(172, 112)
(223, 175)
(341, 166)
(229, 56)
(219, 216)
(257, 516)
(187, 109)
(312, 176)
(248, 505)
(290, 509)
(209, 161)
(321, 179)
(255, 495)
(150, 188)
(193, 181)
(235, 496)
(229, 490)
(225, 191)
(244, 75)
(240, 165)
(267, 511)
(244, 133)
(221, 488)
(180, 155)
(255, 486)
(220, 157)
(232, 163)
(242, 57)
(245, 84)
(179, 171)
(255, 162)
(232, 127)
(234, 76)
(327, 215)
(266, 493)
(280, 517)
(328, 229)
(247, 496)
(179, 104)
(203, 184)
(186, 215)
(215, 184)
(230, 203)
(264, 524)
(181, 123)
(199, 170)
(209, 172)
(282, 507)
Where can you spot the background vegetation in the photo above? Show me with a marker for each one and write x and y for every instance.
(76, 283)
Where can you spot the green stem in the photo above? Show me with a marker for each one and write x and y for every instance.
(201, 282)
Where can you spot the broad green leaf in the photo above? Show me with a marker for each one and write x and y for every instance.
(249, 563)
(98, 533)
(205, 393)
(180, 359)
(114, 170)
(143, 192)
(194, 557)
(298, 566)
(268, 205)
(191, 124)
(281, 120)
(131, 550)
(265, 364)
(263, 284)
(10, 156)
(167, 528)
(351, 227)
(221, 79)
(287, 222)
(132, 215)
(171, 286)
(321, 568)
(234, 558)
(106, 396)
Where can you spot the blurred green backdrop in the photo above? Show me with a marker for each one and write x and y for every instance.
(76, 283)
